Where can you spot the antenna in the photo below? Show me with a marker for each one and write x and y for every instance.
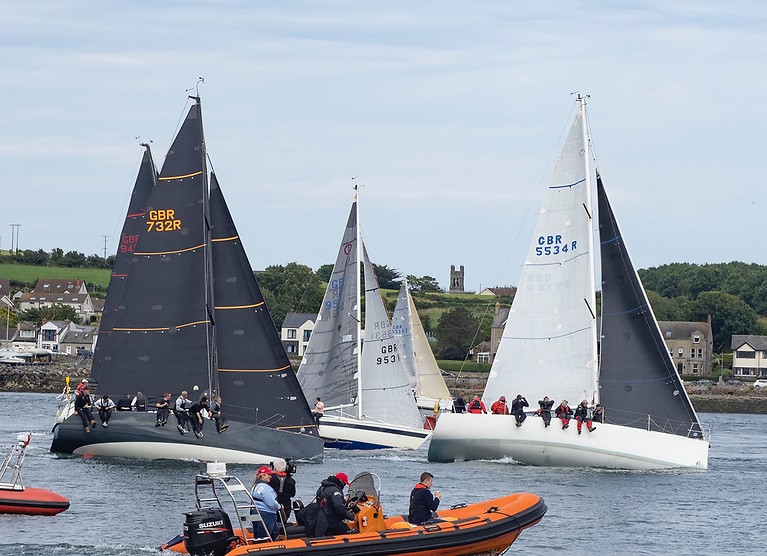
(196, 88)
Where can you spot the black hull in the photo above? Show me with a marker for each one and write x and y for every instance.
(134, 434)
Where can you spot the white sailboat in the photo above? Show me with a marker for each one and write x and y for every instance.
(368, 400)
(425, 377)
(549, 347)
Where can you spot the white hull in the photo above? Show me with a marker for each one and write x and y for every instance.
(153, 450)
(427, 405)
(366, 434)
(485, 436)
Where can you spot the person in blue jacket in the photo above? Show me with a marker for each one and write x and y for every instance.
(422, 502)
(266, 502)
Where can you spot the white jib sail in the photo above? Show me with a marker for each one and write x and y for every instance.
(386, 393)
(548, 347)
(402, 325)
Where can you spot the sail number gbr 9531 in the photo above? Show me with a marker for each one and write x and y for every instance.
(162, 220)
(553, 245)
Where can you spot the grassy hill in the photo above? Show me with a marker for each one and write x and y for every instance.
(29, 274)
(435, 304)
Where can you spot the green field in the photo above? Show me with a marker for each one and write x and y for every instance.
(28, 274)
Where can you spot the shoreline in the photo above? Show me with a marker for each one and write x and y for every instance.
(51, 378)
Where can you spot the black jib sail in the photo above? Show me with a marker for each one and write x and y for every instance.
(637, 376)
(134, 222)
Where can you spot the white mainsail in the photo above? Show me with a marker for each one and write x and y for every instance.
(386, 393)
(548, 347)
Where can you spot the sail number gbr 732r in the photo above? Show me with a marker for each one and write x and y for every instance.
(162, 220)
(553, 245)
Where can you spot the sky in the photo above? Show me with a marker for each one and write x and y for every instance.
(449, 114)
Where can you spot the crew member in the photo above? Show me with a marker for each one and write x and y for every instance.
(564, 413)
(477, 406)
(330, 497)
(422, 502)
(500, 407)
(195, 415)
(518, 409)
(544, 410)
(583, 415)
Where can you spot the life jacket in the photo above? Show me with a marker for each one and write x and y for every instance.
(475, 406)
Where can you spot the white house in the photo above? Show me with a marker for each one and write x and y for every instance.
(749, 356)
(296, 330)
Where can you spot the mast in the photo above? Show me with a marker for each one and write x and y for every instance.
(591, 302)
(358, 316)
(206, 226)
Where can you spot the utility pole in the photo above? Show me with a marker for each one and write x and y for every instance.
(15, 233)
(105, 245)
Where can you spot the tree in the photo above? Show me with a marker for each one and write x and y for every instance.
(387, 277)
(729, 315)
(423, 284)
(57, 311)
(73, 259)
(8, 318)
(324, 272)
(455, 332)
(294, 288)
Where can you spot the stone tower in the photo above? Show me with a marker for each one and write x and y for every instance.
(456, 280)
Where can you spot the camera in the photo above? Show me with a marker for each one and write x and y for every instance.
(291, 467)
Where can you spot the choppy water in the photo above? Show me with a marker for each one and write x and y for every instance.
(123, 507)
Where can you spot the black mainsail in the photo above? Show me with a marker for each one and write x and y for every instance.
(134, 222)
(637, 376)
(189, 315)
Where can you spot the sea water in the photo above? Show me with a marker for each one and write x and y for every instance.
(123, 506)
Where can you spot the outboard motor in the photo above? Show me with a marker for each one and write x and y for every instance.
(208, 532)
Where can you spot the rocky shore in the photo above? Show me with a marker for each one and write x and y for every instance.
(707, 399)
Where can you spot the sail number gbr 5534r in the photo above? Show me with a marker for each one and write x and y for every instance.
(553, 245)
(162, 220)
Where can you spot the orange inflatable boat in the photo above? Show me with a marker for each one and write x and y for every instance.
(484, 528)
(14, 498)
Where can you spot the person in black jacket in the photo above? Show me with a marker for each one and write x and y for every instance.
(599, 414)
(330, 498)
(583, 415)
(518, 406)
(195, 415)
(422, 502)
(83, 409)
(284, 485)
(544, 410)
(459, 405)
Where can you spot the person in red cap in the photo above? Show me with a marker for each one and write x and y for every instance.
(500, 407)
(330, 497)
(265, 499)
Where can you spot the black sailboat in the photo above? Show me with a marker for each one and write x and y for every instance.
(189, 315)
